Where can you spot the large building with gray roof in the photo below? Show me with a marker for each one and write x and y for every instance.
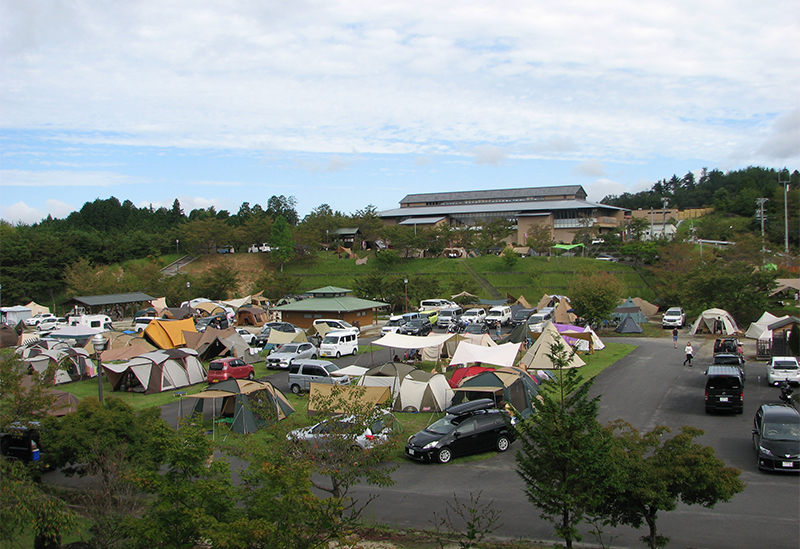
(563, 209)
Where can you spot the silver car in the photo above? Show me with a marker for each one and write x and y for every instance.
(283, 356)
(377, 433)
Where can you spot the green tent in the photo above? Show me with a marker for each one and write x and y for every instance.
(246, 405)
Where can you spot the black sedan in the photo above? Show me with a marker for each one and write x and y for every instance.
(416, 327)
(776, 437)
(467, 428)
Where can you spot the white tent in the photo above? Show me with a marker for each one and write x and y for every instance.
(499, 355)
(536, 358)
(422, 391)
(757, 328)
(402, 341)
(484, 340)
(13, 315)
(711, 318)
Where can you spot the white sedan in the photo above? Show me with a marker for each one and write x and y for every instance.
(474, 315)
(247, 336)
(36, 319)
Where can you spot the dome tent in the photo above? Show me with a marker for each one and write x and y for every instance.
(510, 385)
(250, 405)
(714, 321)
(422, 391)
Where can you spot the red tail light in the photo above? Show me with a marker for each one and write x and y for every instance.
(706, 396)
(370, 437)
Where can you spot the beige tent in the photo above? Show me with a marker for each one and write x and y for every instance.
(645, 306)
(562, 314)
(712, 320)
(36, 308)
(136, 348)
(157, 371)
(422, 391)
(159, 303)
(318, 392)
(536, 357)
(277, 337)
(544, 302)
(520, 301)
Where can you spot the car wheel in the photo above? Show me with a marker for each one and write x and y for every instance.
(338, 354)
(355, 352)
(251, 376)
(503, 443)
(314, 356)
(444, 455)
(296, 389)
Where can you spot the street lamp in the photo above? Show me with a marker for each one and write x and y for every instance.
(405, 281)
(188, 295)
(176, 248)
(99, 344)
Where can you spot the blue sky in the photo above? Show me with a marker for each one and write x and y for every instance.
(353, 103)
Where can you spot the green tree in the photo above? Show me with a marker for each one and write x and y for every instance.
(563, 459)
(493, 234)
(595, 296)
(218, 283)
(652, 474)
(285, 207)
(282, 240)
(276, 286)
(540, 238)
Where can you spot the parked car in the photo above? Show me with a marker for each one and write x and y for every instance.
(727, 345)
(675, 317)
(499, 315)
(393, 324)
(432, 316)
(337, 343)
(724, 389)
(222, 369)
(416, 327)
(37, 318)
(468, 428)
(437, 304)
(776, 438)
(783, 368)
(604, 257)
(446, 315)
(537, 321)
(476, 328)
(140, 323)
(283, 356)
(730, 359)
(474, 315)
(219, 322)
(286, 327)
(50, 324)
(521, 316)
(303, 372)
(379, 431)
(336, 324)
(248, 337)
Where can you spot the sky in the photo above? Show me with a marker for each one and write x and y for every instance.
(356, 103)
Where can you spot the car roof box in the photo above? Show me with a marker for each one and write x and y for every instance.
(471, 406)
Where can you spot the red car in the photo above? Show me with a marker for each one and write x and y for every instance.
(229, 368)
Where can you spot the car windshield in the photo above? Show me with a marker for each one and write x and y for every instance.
(416, 323)
(330, 340)
(474, 329)
(784, 365)
(396, 322)
(536, 319)
(782, 431)
(472, 312)
(673, 312)
(289, 348)
(521, 315)
(444, 425)
(495, 313)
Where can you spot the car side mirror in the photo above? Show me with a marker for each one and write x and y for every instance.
(755, 431)
(457, 434)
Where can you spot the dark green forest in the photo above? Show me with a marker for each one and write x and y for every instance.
(35, 259)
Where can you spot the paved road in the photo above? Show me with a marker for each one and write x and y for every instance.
(648, 387)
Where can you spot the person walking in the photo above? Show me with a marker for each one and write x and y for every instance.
(675, 337)
(689, 354)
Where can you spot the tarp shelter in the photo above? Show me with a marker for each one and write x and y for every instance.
(510, 385)
(758, 327)
(318, 393)
(713, 321)
(422, 391)
(499, 355)
(536, 357)
(157, 371)
(238, 303)
(168, 334)
(628, 326)
(389, 374)
(647, 308)
(462, 373)
(251, 316)
(402, 341)
(246, 405)
(36, 308)
(276, 337)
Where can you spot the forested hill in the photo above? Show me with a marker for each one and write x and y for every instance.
(729, 193)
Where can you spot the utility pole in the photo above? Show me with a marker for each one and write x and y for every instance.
(760, 202)
(785, 207)
(664, 204)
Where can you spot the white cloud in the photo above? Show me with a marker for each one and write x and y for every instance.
(601, 188)
(591, 168)
(61, 178)
(784, 143)
(21, 212)
(489, 154)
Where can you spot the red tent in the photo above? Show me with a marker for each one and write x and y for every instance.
(462, 373)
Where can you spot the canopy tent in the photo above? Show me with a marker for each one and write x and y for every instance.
(757, 328)
(628, 326)
(72, 364)
(500, 355)
(319, 393)
(251, 316)
(509, 385)
(462, 373)
(237, 303)
(402, 341)
(422, 391)
(157, 371)
(249, 405)
(536, 357)
(13, 315)
(36, 309)
(168, 334)
(713, 321)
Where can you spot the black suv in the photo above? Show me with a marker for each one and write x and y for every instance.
(724, 389)
(416, 327)
(468, 428)
(776, 437)
(730, 359)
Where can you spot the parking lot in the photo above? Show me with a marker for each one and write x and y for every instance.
(648, 387)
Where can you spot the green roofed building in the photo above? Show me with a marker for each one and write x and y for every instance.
(330, 302)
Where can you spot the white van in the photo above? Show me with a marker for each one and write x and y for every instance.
(338, 343)
(537, 321)
(435, 304)
(102, 322)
